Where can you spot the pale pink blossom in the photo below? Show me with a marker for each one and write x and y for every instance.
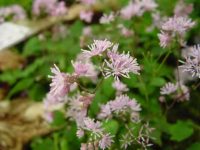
(132, 9)
(148, 5)
(165, 39)
(121, 65)
(98, 47)
(86, 16)
(119, 86)
(120, 104)
(178, 25)
(183, 9)
(80, 68)
(16, 12)
(192, 62)
(125, 31)
(59, 9)
(91, 125)
(105, 141)
(49, 7)
(43, 6)
(106, 19)
(61, 82)
(80, 133)
(168, 88)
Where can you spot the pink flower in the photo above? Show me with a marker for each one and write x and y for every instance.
(123, 102)
(61, 82)
(86, 16)
(59, 9)
(148, 5)
(80, 133)
(120, 104)
(165, 39)
(98, 47)
(125, 31)
(105, 111)
(168, 88)
(119, 86)
(16, 12)
(91, 125)
(121, 65)
(183, 9)
(178, 24)
(80, 68)
(43, 6)
(192, 62)
(132, 9)
(106, 19)
(105, 142)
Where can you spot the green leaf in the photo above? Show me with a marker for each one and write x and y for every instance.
(59, 118)
(194, 146)
(42, 144)
(111, 126)
(157, 81)
(180, 131)
(23, 84)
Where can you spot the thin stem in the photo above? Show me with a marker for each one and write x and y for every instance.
(163, 61)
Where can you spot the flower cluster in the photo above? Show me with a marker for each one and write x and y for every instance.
(14, 11)
(178, 92)
(59, 87)
(174, 27)
(121, 65)
(120, 105)
(137, 8)
(192, 62)
(97, 133)
(49, 7)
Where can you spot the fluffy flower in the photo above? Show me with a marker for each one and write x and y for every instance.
(80, 133)
(59, 9)
(14, 11)
(106, 19)
(94, 127)
(121, 65)
(148, 5)
(61, 82)
(105, 142)
(80, 68)
(43, 6)
(192, 62)
(86, 16)
(132, 9)
(165, 39)
(98, 47)
(168, 88)
(183, 9)
(49, 7)
(121, 103)
(119, 86)
(178, 24)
